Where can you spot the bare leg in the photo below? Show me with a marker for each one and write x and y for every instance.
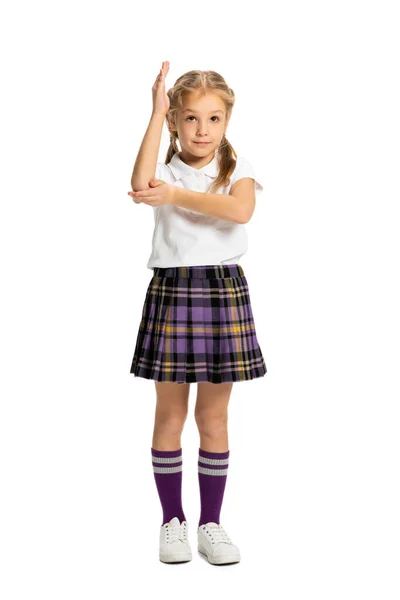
(170, 414)
(211, 415)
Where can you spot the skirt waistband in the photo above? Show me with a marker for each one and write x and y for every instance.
(200, 271)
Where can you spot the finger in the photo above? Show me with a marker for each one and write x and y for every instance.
(146, 198)
(144, 193)
(136, 192)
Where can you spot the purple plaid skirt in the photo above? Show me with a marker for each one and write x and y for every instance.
(197, 325)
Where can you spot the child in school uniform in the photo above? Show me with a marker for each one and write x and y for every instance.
(197, 324)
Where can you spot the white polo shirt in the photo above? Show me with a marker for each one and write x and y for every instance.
(185, 237)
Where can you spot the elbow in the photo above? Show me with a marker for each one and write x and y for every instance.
(244, 218)
(248, 212)
(138, 185)
(245, 211)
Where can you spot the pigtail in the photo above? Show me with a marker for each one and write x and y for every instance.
(173, 146)
(226, 157)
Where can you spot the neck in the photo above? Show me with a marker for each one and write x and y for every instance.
(197, 162)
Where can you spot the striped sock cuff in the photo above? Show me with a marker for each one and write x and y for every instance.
(213, 463)
(168, 461)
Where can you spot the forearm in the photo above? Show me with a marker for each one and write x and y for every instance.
(146, 161)
(221, 206)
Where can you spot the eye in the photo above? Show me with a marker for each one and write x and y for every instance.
(193, 117)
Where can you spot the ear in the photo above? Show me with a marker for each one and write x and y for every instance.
(171, 123)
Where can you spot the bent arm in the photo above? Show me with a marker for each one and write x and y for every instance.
(145, 165)
(221, 206)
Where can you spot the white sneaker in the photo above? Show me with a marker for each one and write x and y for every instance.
(214, 542)
(174, 545)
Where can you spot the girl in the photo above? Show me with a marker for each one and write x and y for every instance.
(197, 323)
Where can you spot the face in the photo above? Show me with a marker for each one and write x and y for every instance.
(201, 119)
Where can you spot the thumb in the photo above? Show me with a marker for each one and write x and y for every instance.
(156, 182)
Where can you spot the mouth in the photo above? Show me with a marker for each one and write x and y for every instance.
(202, 143)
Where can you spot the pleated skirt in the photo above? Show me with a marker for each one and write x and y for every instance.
(197, 325)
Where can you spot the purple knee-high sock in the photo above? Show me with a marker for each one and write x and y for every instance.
(167, 467)
(212, 471)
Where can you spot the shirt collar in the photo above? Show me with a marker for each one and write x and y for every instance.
(180, 169)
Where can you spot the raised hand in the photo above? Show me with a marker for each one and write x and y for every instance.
(160, 97)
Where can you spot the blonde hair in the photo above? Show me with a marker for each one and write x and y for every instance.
(203, 82)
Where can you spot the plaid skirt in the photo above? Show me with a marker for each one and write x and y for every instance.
(197, 325)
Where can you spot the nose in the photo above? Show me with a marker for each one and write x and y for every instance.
(202, 128)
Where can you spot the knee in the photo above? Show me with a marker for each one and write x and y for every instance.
(211, 425)
(170, 424)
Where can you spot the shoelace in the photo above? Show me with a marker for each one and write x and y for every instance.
(174, 533)
(217, 534)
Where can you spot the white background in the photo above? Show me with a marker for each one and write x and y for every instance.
(312, 496)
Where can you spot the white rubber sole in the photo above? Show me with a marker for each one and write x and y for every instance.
(219, 560)
(173, 558)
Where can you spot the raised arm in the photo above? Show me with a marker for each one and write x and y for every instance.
(144, 168)
(146, 161)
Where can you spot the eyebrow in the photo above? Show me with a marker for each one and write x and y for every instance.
(211, 111)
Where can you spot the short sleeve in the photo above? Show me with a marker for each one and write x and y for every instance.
(245, 169)
(159, 170)
(164, 173)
